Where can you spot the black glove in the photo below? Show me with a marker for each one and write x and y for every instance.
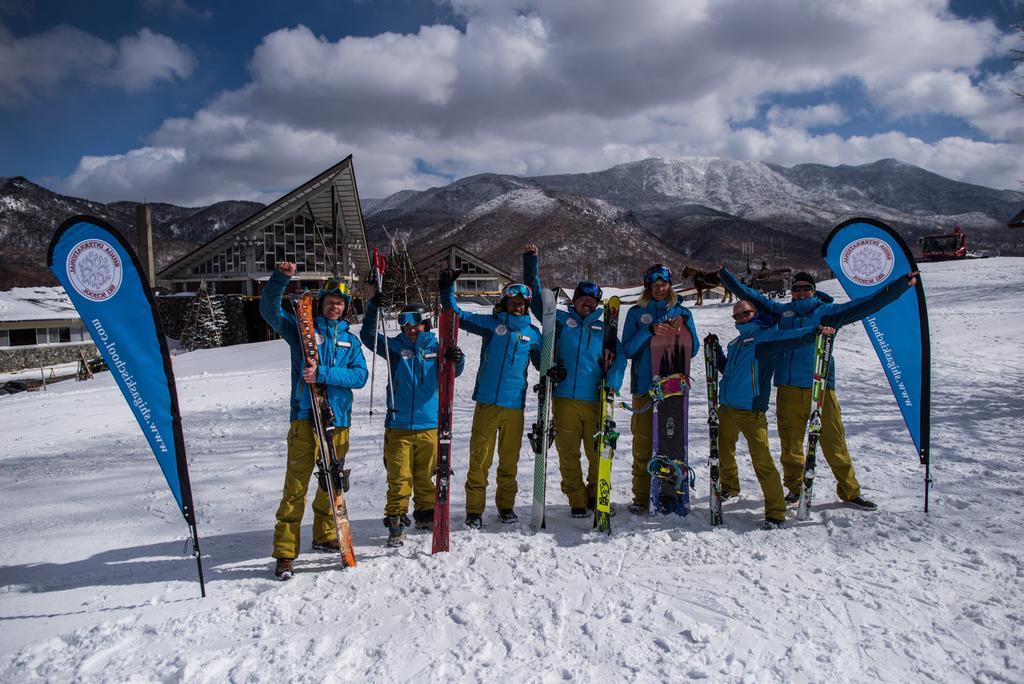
(557, 373)
(454, 354)
(378, 300)
(447, 277)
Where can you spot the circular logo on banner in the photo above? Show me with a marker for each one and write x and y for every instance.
(94, 269)
(501, 329)
(571, 322)
(867, 261)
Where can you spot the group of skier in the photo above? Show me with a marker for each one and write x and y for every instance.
(775, 339)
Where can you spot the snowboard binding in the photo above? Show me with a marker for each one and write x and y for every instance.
(339, 477)
(675, 473)
(608, 436)
(535, 441)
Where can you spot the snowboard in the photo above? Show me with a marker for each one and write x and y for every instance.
(819, 387)
(670, 400)
(712, 350)
(543, 431)
(329, 467)
(605, 439)
(447, 337)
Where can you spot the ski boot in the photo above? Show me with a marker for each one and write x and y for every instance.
(284, 569)
(396, 531)
(508, 516)
(474, 521)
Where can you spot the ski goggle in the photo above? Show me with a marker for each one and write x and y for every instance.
(517, 290)
(333, 286)
(658, 272)
(588, 289)
(412, 318)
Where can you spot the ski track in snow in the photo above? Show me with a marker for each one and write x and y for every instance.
(96, 584)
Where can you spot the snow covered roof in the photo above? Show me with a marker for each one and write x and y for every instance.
(36, 304)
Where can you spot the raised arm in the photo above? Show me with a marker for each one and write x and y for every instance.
(468, 321)
(749, 294)
(838, 315)
(531, 276)
(376, 342)
(270, 303)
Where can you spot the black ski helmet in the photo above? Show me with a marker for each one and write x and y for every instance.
(415, 313)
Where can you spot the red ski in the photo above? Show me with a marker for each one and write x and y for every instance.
(447, 338)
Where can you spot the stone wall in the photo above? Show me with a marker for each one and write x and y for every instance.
(18, 358)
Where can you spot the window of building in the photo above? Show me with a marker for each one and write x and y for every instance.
(23, 337)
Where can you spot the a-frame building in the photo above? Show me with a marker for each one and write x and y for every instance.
(480, 277)
(318, 225)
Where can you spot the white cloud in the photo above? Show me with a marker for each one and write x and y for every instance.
(36, 65)
(545, 86)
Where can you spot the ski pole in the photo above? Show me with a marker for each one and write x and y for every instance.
(383, 328)
(379, 266)
(373, 360)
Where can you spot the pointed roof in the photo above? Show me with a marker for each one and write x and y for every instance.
(331, 197)
(468, 256)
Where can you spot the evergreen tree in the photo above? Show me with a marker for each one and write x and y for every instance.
(205, 322)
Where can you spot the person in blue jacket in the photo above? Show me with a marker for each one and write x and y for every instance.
(340, 370)
(656, 312)
(743, 395)
(510, 343)
(794, 373)
(579, 369)
(410, 429)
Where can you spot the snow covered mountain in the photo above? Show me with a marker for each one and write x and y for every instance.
(29, 214)
(700, 211)
(609, 224)
(96, 585)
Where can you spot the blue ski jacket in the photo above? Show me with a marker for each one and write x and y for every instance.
(795, 368)
(415, 372)
(579, 344)
(748, 368)
(342, 366)
(636, 338)
(510, 344)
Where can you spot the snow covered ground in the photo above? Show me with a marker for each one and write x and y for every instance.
(94, 584)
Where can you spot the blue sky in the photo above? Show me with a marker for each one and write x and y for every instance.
(189, 102)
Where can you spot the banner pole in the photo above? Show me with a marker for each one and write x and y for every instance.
(199, 559)
(927, 482)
